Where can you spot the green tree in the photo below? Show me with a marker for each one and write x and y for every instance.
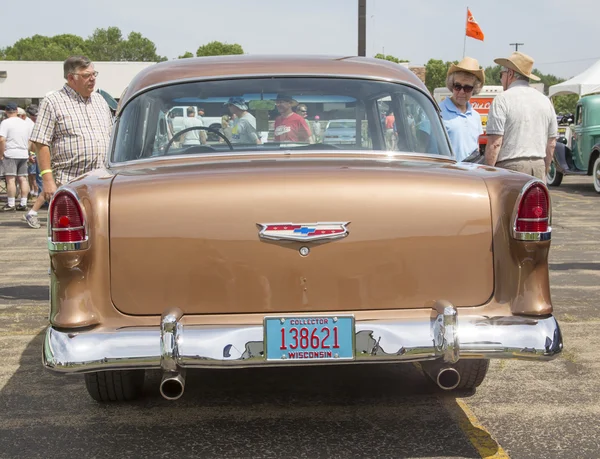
(186, 55)
(492, 75)
(216, 48)
(565, 103)
(109, 45)
(102, 45)
(435, 73)
(42, 48)
(389, 57)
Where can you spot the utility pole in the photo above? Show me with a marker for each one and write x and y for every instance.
(362, 27)
(516, 45)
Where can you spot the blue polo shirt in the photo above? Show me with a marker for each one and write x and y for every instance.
(463, 129)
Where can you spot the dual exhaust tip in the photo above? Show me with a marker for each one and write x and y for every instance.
(447, 377)
(172, 385)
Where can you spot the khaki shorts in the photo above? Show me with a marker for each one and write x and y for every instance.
(13, 166)
(531, 166)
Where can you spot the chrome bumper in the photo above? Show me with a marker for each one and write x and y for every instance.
(445, 336)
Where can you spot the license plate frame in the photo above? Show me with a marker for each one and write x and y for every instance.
(273, 336)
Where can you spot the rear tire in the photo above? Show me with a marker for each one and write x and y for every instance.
(115, 386)
(553, 177)
(472, 372)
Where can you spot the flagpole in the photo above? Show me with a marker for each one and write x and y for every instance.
(465, 41)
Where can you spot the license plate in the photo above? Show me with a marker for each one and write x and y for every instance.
(309, 338)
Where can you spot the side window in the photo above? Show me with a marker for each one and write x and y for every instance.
(579, 115)
(176, 112)
(419, 125)
(387, 119)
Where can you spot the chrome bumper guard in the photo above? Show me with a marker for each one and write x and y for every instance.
(446, 337)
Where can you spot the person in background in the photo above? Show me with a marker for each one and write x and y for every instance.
(244, 125)
(522, 126)
(196, 136)
(14, 153)
(289, 126)
(317, 131)
(462, 122)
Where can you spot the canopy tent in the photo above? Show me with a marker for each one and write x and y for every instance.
(587, 82)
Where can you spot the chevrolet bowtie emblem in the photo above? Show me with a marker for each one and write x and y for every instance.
(303, 232)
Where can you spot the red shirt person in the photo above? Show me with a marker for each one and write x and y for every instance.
(289, 126)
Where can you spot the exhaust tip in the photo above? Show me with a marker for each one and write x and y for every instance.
(448, 378)
(172, 387)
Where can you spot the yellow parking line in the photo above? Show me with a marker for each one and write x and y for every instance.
(479, 437)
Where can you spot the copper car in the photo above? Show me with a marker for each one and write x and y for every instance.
(232, 253)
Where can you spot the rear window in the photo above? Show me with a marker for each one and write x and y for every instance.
(271, 114)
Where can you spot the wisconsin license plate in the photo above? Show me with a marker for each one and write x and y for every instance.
(316, 338)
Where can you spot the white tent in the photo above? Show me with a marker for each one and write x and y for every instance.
(587, 82)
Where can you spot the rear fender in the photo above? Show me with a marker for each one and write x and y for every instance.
(593, 156)
(561, 151)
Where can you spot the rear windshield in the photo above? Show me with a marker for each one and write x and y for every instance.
(271, 114)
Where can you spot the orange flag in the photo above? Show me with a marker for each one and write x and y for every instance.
(473, 29)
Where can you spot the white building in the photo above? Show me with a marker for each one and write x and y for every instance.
(25, 81)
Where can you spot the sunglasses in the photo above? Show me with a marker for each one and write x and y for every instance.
(302, 111)
(467, 88)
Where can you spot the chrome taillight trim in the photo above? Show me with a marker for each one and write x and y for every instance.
(54, 246)
(531, 235)
(75, 228)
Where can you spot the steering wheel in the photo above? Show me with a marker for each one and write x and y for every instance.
(194, 128)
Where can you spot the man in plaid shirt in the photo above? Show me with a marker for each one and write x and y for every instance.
(72, 130)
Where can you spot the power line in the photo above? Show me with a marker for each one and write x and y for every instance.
(574, 60)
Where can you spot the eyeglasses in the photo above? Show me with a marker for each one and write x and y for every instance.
(302, 111)
(86, 76)
(467, 88)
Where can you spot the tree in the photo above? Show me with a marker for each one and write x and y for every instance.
(216, 48)
(435, 73)
(186, 55)
(565, 103)
(42, 48)
(102, 45)
(109, 45)
(492, 75)
(389, 57)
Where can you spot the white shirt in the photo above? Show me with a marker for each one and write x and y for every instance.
(16, 132)
(525, 118)
(192, 137)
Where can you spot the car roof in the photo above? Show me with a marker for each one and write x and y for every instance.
(240, 65)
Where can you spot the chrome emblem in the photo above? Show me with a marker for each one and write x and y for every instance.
(303, 231)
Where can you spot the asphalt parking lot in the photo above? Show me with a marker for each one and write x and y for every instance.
(522, 410)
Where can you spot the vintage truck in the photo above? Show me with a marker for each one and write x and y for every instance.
(579, 153)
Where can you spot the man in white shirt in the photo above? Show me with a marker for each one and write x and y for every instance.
(521, 125)
(14, 152)
(196, 136)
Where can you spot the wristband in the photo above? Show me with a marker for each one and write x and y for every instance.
(45, 171)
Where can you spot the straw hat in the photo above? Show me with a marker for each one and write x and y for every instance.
(468, 65)
(520, 63)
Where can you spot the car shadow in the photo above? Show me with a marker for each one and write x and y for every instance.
(25, 292)
(334, 411)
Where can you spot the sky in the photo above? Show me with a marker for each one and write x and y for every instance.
(561, 36)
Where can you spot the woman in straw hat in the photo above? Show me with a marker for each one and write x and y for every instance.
(521, 125)
(462, 122)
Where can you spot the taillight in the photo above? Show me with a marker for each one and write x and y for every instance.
(533, 214)
(66, 219)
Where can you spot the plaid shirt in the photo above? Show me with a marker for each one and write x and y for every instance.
(77, 130)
